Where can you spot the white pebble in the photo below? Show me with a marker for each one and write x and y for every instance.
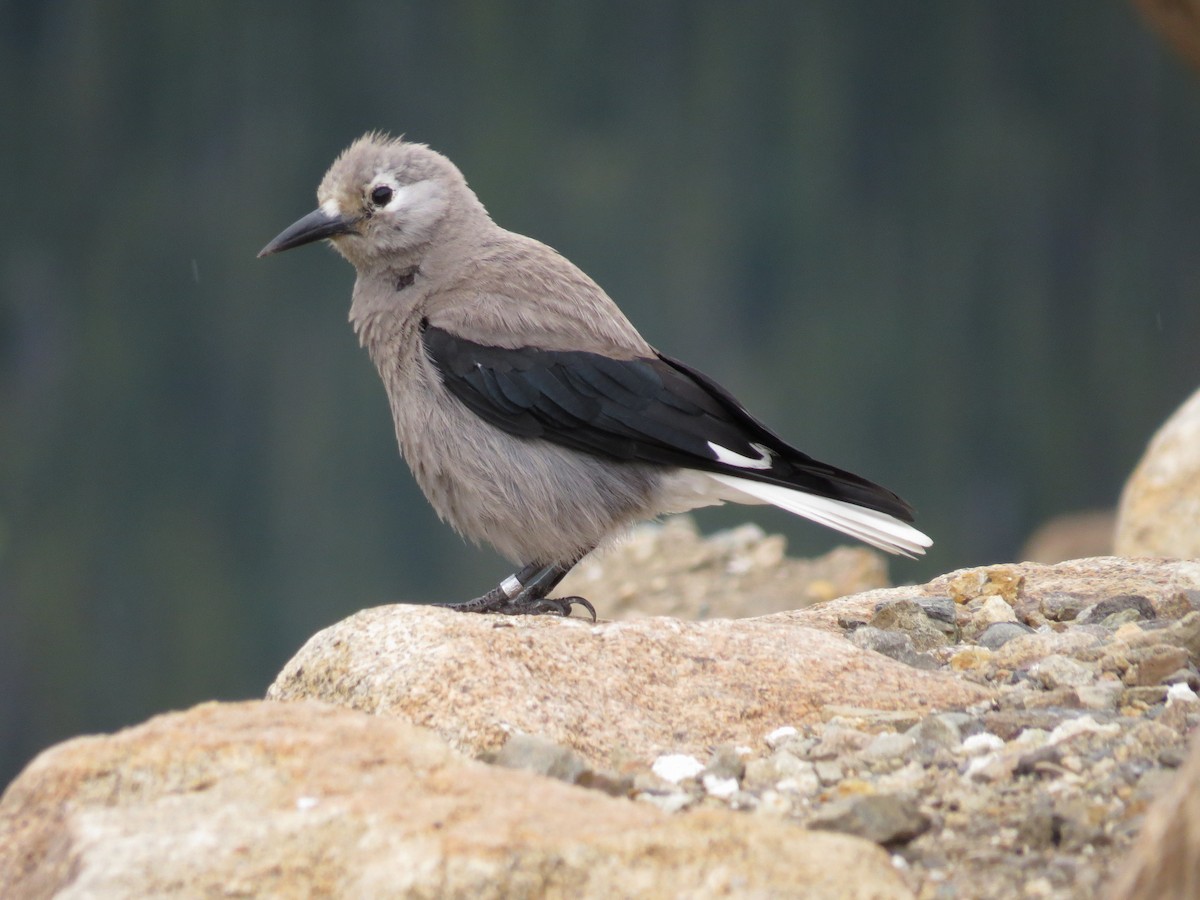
(1083, 725)
(721, 788)
(779, 735)
(1181, 693)
(984, 742)
(674, 767)
(305, 803)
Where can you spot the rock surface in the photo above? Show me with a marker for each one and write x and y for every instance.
(612, 691)
(1159, 513)
(1033, 786)
(1000, 731)
(1165, 863)
(301, 800)
(668, 569)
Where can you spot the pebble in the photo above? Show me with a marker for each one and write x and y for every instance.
(998, 634)
(1181, 693)
(838, 740)
(895, 644)
(726, 763)
(721, 788)
(971, 657)
(1151, 665)
(780, 736)
(1062, 671)
(940, 610)
(1038, 791)
(984, 742)
(675, 767)
(887, 746)
(1028, 649)
(886, 819)
(993, 610)
(1113, 612)
(544, 757)
(1062, 607)
(828, 771)
(936, 731)
(1103, 694)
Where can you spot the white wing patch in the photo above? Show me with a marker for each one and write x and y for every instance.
(729, 458)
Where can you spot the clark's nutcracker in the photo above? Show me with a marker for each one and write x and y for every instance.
(532, 413)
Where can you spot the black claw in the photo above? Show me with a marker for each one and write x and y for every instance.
(580, 601)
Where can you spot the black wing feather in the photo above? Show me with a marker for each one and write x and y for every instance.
(633, 410)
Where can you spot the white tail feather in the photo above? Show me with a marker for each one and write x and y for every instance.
(867, 525)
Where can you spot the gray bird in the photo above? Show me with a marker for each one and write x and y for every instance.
(532, 413)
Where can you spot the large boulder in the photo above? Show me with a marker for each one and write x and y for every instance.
(303, 800)
(613, 690)
(1160, 506)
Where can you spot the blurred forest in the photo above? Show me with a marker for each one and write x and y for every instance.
(952, 246)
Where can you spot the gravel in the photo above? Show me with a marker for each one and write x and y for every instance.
(1038, 794)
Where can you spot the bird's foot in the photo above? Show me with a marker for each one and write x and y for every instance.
(524, 594)
(521, 605)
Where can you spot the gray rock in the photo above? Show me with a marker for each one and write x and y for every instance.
(1112, 612)
(887, 746)
(726, 762)
(1040, 760)
(543, 757)
(998, 634)
(886, 819)
(895, 644)
(1058, 607)
(966, 723)
(908, 617)
(937, 731)
(939, 609)
(828, 771)
(1008, 723)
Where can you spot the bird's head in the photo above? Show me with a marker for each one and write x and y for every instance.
(382, 199)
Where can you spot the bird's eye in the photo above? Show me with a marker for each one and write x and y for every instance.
(381, 195)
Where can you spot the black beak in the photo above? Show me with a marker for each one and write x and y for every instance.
(316, 225)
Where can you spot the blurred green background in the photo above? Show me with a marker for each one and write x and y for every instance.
(952, 246)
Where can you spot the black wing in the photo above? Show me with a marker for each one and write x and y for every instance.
(635, 410)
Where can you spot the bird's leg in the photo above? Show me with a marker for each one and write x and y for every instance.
(525, 594)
